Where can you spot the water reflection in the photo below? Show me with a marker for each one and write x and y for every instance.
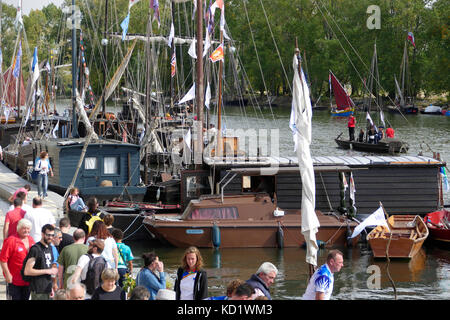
(422, 277)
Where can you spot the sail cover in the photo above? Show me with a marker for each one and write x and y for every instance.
(343, 101)
(301, 120)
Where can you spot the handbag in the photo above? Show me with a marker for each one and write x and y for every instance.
(34, 174)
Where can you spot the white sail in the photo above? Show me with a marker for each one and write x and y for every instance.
(302, 117)
(399, 92)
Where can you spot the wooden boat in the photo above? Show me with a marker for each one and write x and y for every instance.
(406, 235)
(237, 221)
(438, 222)
(385, 145)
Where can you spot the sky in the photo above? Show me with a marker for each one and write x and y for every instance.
(29, 5)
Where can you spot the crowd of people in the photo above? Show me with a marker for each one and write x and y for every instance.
(373, 135)
(42, 261)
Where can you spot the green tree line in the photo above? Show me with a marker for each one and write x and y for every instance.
(328, 33)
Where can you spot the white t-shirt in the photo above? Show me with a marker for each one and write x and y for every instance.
(321, 281)
(187, 287)
(39, 217)
(25, 207)
(107, 253)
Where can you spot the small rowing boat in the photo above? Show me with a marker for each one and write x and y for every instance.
(438, 222)
(402, 239)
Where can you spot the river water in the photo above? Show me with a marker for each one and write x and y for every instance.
(424, 277)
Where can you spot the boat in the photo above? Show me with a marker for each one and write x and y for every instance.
(431, 109)
(403, 238)
(385, 145)
(446, 113)
(236, 221)
(344, 104)
(404, 102)
(438, 222)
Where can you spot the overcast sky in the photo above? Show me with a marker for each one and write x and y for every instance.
(29, 5)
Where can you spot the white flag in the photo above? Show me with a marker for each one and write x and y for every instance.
(375, 219)
(189, 96)
(56, 128)
(187, 139)
(382, 119)
(207, 43)
(35, 67)
(352, 188)
(7, 112)
(208, 96)
(193, 49)
(132, 3)
(171, 35)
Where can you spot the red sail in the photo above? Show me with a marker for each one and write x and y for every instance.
(9, 89)
(343, 101)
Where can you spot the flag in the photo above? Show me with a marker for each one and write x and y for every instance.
(171, 35)
(352, 188)
(375, 219)
(189, 96)
(154, 4)
(209, 18)
(27, 117)
(411, 39)
(187, 139)
(329, 81)
(192, 49)
(207, 44)
(124, 26)
(17, 61)
(173, 65)
(35, 67)
(208, 96)
(217, 54)
(55, 129)
(132, 3)
(18, 23)
(382, 119)
(445, 185)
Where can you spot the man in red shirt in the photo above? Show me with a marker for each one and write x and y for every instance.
(14, 251)
(12, 218)
(390, 132)
(351, 127)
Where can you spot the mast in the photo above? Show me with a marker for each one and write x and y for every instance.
(172, 46)
(74, 75)
(147, 96)
(105, 55)
(199, 87)
(219, 104)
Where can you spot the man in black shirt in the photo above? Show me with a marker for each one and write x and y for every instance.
(64, 225)
(39, 265)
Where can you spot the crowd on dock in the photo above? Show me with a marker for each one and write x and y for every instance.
(41, 260)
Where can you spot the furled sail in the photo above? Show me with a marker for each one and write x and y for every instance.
(301, 123)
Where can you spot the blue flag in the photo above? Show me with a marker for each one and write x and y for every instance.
(17, 62)
(124, 26)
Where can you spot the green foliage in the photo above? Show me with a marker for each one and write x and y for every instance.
(264, 32)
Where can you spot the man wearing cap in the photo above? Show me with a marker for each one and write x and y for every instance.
(95, 249)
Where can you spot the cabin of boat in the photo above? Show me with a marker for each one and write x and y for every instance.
(109, 169)
(403, 238)
(236, 221)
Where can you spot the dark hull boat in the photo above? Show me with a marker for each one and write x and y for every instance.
(386, 145)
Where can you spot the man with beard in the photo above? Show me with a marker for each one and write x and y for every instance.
(38, 265)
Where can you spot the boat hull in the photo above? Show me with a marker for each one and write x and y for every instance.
(438, 233)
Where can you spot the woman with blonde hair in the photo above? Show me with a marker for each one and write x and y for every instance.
(108, 289)
(44, 167)
(192, 280)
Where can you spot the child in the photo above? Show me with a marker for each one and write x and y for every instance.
(125, 256)
(74, 201)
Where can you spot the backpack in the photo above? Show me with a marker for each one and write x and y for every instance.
(91, 221)
(94, 273)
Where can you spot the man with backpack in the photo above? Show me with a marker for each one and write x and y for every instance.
(37, 266)
(90, 267)
(93, 214)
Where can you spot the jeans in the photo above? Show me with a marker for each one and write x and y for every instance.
(42, 184)
(78, 205)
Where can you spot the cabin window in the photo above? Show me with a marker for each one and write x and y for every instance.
(90, 163)
(215, 213)
(110, 165)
